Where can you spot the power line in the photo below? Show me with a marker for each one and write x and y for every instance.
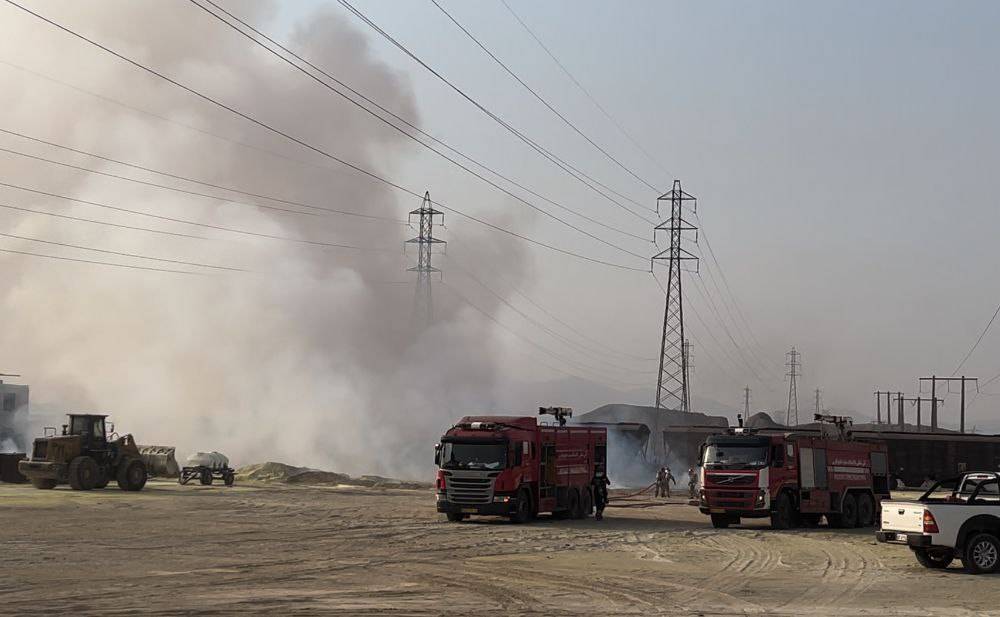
(978, 340)
(398, 118)
(534, 344)
(178, 177)
(703, 292)
(562, 164)
(586, 92)
(565, 120)
(100, 263)
(96, 222)
(121, 254)
(170, 219)
(316, 149)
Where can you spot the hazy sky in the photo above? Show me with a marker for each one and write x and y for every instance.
(842, 155)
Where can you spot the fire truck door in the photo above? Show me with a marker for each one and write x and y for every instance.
(813, 481)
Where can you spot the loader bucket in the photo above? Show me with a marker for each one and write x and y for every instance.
(160, 461)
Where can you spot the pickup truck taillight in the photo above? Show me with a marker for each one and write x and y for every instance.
(930, 525)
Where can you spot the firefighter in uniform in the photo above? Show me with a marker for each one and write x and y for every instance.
(692, 483)
(663, 480)
(601, 483)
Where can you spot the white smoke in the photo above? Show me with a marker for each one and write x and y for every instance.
(310, 358)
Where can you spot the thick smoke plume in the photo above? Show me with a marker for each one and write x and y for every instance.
(309, 358)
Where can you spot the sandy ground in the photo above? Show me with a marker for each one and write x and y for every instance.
(293, 550)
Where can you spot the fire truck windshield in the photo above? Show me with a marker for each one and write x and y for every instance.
(734, 456)
(457, 455)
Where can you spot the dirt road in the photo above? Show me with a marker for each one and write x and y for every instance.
(294, 550)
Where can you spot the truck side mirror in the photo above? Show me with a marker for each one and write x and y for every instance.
(437, 454)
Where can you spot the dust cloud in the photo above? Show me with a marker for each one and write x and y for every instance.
(311, 356)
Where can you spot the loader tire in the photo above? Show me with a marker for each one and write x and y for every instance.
(83, 473)
(43, 483)
(103, 477)
(132, 475)
(206, 477)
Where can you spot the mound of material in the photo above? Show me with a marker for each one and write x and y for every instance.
(288, 474)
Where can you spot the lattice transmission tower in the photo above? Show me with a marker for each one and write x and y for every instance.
(423, 307)
(672, 382)
(793, 364)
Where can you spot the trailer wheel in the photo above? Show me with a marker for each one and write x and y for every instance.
(43, 483)
(866, 510)
(935, 559)
(206, 477)
(229, 479)
(721, 521)
(455, 517)
(83, 473)
(783, 516)
(982, 554)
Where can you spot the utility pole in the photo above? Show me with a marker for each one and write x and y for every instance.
(934, 399)
(918, 401)
(817, 402)
(793, 364)
(878, 405)
(423, 307)
(746, 402)
(672, 389)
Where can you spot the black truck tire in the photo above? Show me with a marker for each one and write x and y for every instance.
(575, 507)
(523, 512)
(229, 479)
(131, 475)
(455, 517)
(205, 477)
(866, 510)
(981, 554)
(83, 473)
(721, 521)
(43, 483)
(849, 511)
(933, 559)
(587, 503)
(783, 516)
(103, 477)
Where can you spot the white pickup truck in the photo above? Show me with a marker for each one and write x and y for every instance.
(958, 517)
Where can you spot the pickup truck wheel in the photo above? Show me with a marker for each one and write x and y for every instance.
(783, 516)
(522, 514)
(721, 521)
(866, 510)
(982, 554)
(935, 559)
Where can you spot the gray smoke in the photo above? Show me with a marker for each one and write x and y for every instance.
(311, 357)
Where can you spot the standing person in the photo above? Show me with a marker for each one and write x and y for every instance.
(661, 482)
(692, 483)
(601, 483)
(667, 480)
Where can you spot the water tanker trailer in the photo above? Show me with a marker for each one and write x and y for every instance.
(207, 466)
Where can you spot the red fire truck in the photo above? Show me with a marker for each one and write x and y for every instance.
(793, 477)
(516, 467)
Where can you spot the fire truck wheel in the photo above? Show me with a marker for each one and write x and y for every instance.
(982, 554)
(523, 512)
(721, 521)
(455, 517)
(810, 520)
(587, 503)
(783, 516)
(575, 507)
(936, 559)
(866, 510)
(849, 511)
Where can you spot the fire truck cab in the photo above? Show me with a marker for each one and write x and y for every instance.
(792, 478)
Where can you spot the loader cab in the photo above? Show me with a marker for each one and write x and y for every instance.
(90, 428)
